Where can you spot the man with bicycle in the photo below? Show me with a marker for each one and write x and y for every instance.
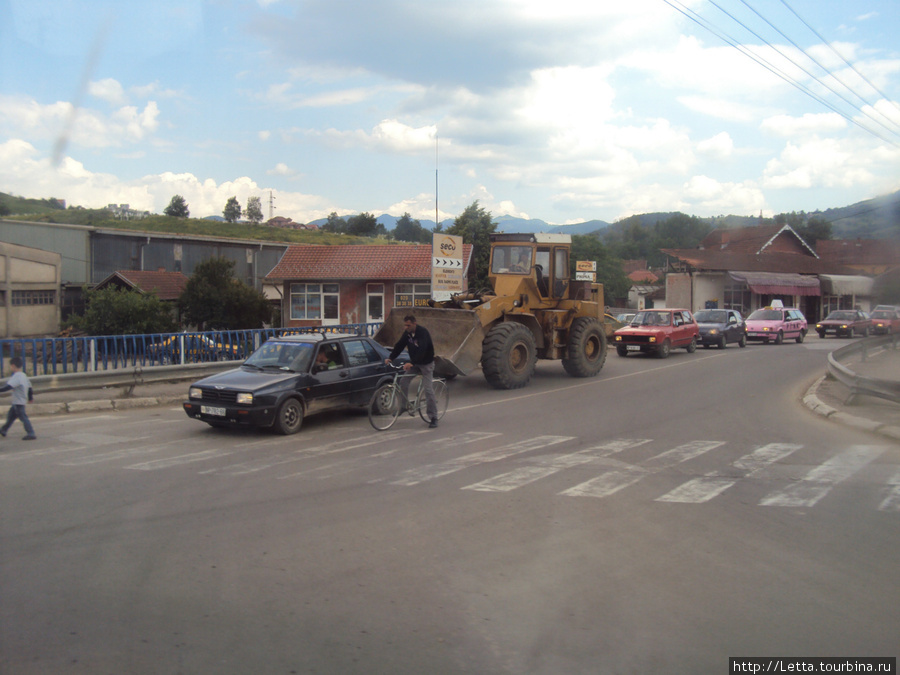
(417, 341)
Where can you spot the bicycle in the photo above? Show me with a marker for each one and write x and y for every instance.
(390, 399)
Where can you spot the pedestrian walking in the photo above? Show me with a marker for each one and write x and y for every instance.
(417, 341)
(22, 393)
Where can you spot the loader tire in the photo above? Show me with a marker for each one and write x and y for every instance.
(586, 348)
(508, 355)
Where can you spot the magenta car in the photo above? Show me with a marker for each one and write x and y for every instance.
(776, 324)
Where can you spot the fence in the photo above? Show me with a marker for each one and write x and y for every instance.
(63, 355)
(858, 384)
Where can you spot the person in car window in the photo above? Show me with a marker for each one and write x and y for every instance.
(326, 358)
(417, 341)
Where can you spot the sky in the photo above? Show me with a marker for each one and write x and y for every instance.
(564, 111)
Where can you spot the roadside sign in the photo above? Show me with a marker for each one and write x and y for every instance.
(586, 276)
(446, 266)
(586, 266)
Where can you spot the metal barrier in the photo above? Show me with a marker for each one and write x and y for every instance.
(858, 384)
(64, 355)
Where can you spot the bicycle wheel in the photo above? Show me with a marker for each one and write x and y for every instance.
(441, 397)
(385, 407)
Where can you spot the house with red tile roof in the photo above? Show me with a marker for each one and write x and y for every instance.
(866, 256)
(167, 285)
(350, 284)
(748, 268)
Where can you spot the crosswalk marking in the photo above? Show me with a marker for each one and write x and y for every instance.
(169, 462)
(714, 483)
(529, 474)
(612, 481)
(892, 500)
(819, 481)
(432, 471)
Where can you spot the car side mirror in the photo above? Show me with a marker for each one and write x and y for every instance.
(319, 367)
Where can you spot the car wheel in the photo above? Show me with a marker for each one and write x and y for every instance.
(743, 341)
(664, 350)
(289, 418)
(586, 350)
(691, 348)
(801, 336)
(779, 338)
(621, 350)
(722, 343)
(508, 356)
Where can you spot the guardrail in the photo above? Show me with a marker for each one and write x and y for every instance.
(860, 385)
(63, 355)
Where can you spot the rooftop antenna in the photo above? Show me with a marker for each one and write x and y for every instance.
(436, 222)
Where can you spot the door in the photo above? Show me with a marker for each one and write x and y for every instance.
(366, 369)
(330, 386)
(331, 304)
(374, 303)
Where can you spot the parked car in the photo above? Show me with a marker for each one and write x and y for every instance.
(289, 378)
(720, 327)
(658, 331)
(196, 347)
(845, 323)
(776, 324)
(885, 321)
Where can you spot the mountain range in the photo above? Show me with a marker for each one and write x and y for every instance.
(877, 218)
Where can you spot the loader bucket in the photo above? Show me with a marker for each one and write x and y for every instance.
(457, 335)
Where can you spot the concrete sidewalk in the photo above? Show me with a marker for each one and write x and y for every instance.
(827, 397)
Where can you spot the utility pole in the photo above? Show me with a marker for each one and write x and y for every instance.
(435, 180)
(271, 205)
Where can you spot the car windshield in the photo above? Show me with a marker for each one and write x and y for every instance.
(841, 316)
(883, 314)
(282, 355)
(651, 319)
(511, 260)
(711, 316)
(766, 315)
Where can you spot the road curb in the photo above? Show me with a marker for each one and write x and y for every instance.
(105, 404)
(815, 404)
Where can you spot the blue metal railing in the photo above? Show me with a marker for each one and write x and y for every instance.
(55, 356)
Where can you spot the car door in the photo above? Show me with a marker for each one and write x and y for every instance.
(330, 386)
(681, 330)
(366, 368)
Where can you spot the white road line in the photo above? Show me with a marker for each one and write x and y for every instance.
(820, 481)
(551, 465)
(107, 456)
(432, 471)
(892, 500)
(612, 481)
(168, 462)
(700, 490)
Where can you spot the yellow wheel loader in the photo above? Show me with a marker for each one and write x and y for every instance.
(531, 311)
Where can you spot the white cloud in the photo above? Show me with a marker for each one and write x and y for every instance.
(108, 90)
(719, 146)
(811, 123)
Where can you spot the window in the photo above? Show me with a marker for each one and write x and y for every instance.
(315, 301)
(412, 295)
(360, 353)
(24, 298)
(737, 296)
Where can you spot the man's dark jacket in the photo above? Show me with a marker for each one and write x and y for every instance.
(419, 345)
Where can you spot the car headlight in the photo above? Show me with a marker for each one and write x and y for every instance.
(713, 331)
(618, 338)
(244, 399)
(652, 339)
(844, 325)
(195, 392)
(766, 329)
(818, 325)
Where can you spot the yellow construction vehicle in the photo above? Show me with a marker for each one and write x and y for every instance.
(533, 310)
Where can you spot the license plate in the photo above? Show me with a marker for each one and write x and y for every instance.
(634, 348)
(209, 410)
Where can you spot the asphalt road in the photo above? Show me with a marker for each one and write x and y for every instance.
(659, 518)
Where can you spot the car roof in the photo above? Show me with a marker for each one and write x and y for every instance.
(312, 338)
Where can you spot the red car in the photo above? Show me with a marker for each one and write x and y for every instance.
(658, 331)
(885, 321)
(845, 322)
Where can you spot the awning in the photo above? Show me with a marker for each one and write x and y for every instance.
(846, 284)
(778, 283)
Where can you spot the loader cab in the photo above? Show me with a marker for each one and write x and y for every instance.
(543, 257)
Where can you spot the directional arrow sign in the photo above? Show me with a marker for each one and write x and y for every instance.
(447, 263)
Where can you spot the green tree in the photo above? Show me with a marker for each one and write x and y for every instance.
(177, 208)
(475, 226)
(213, 299)
(254, 210)
(609, 267)
(114, 311)
(365, 225)
(813, 230)
(410, 229)
(334, 223)
(232, 210)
